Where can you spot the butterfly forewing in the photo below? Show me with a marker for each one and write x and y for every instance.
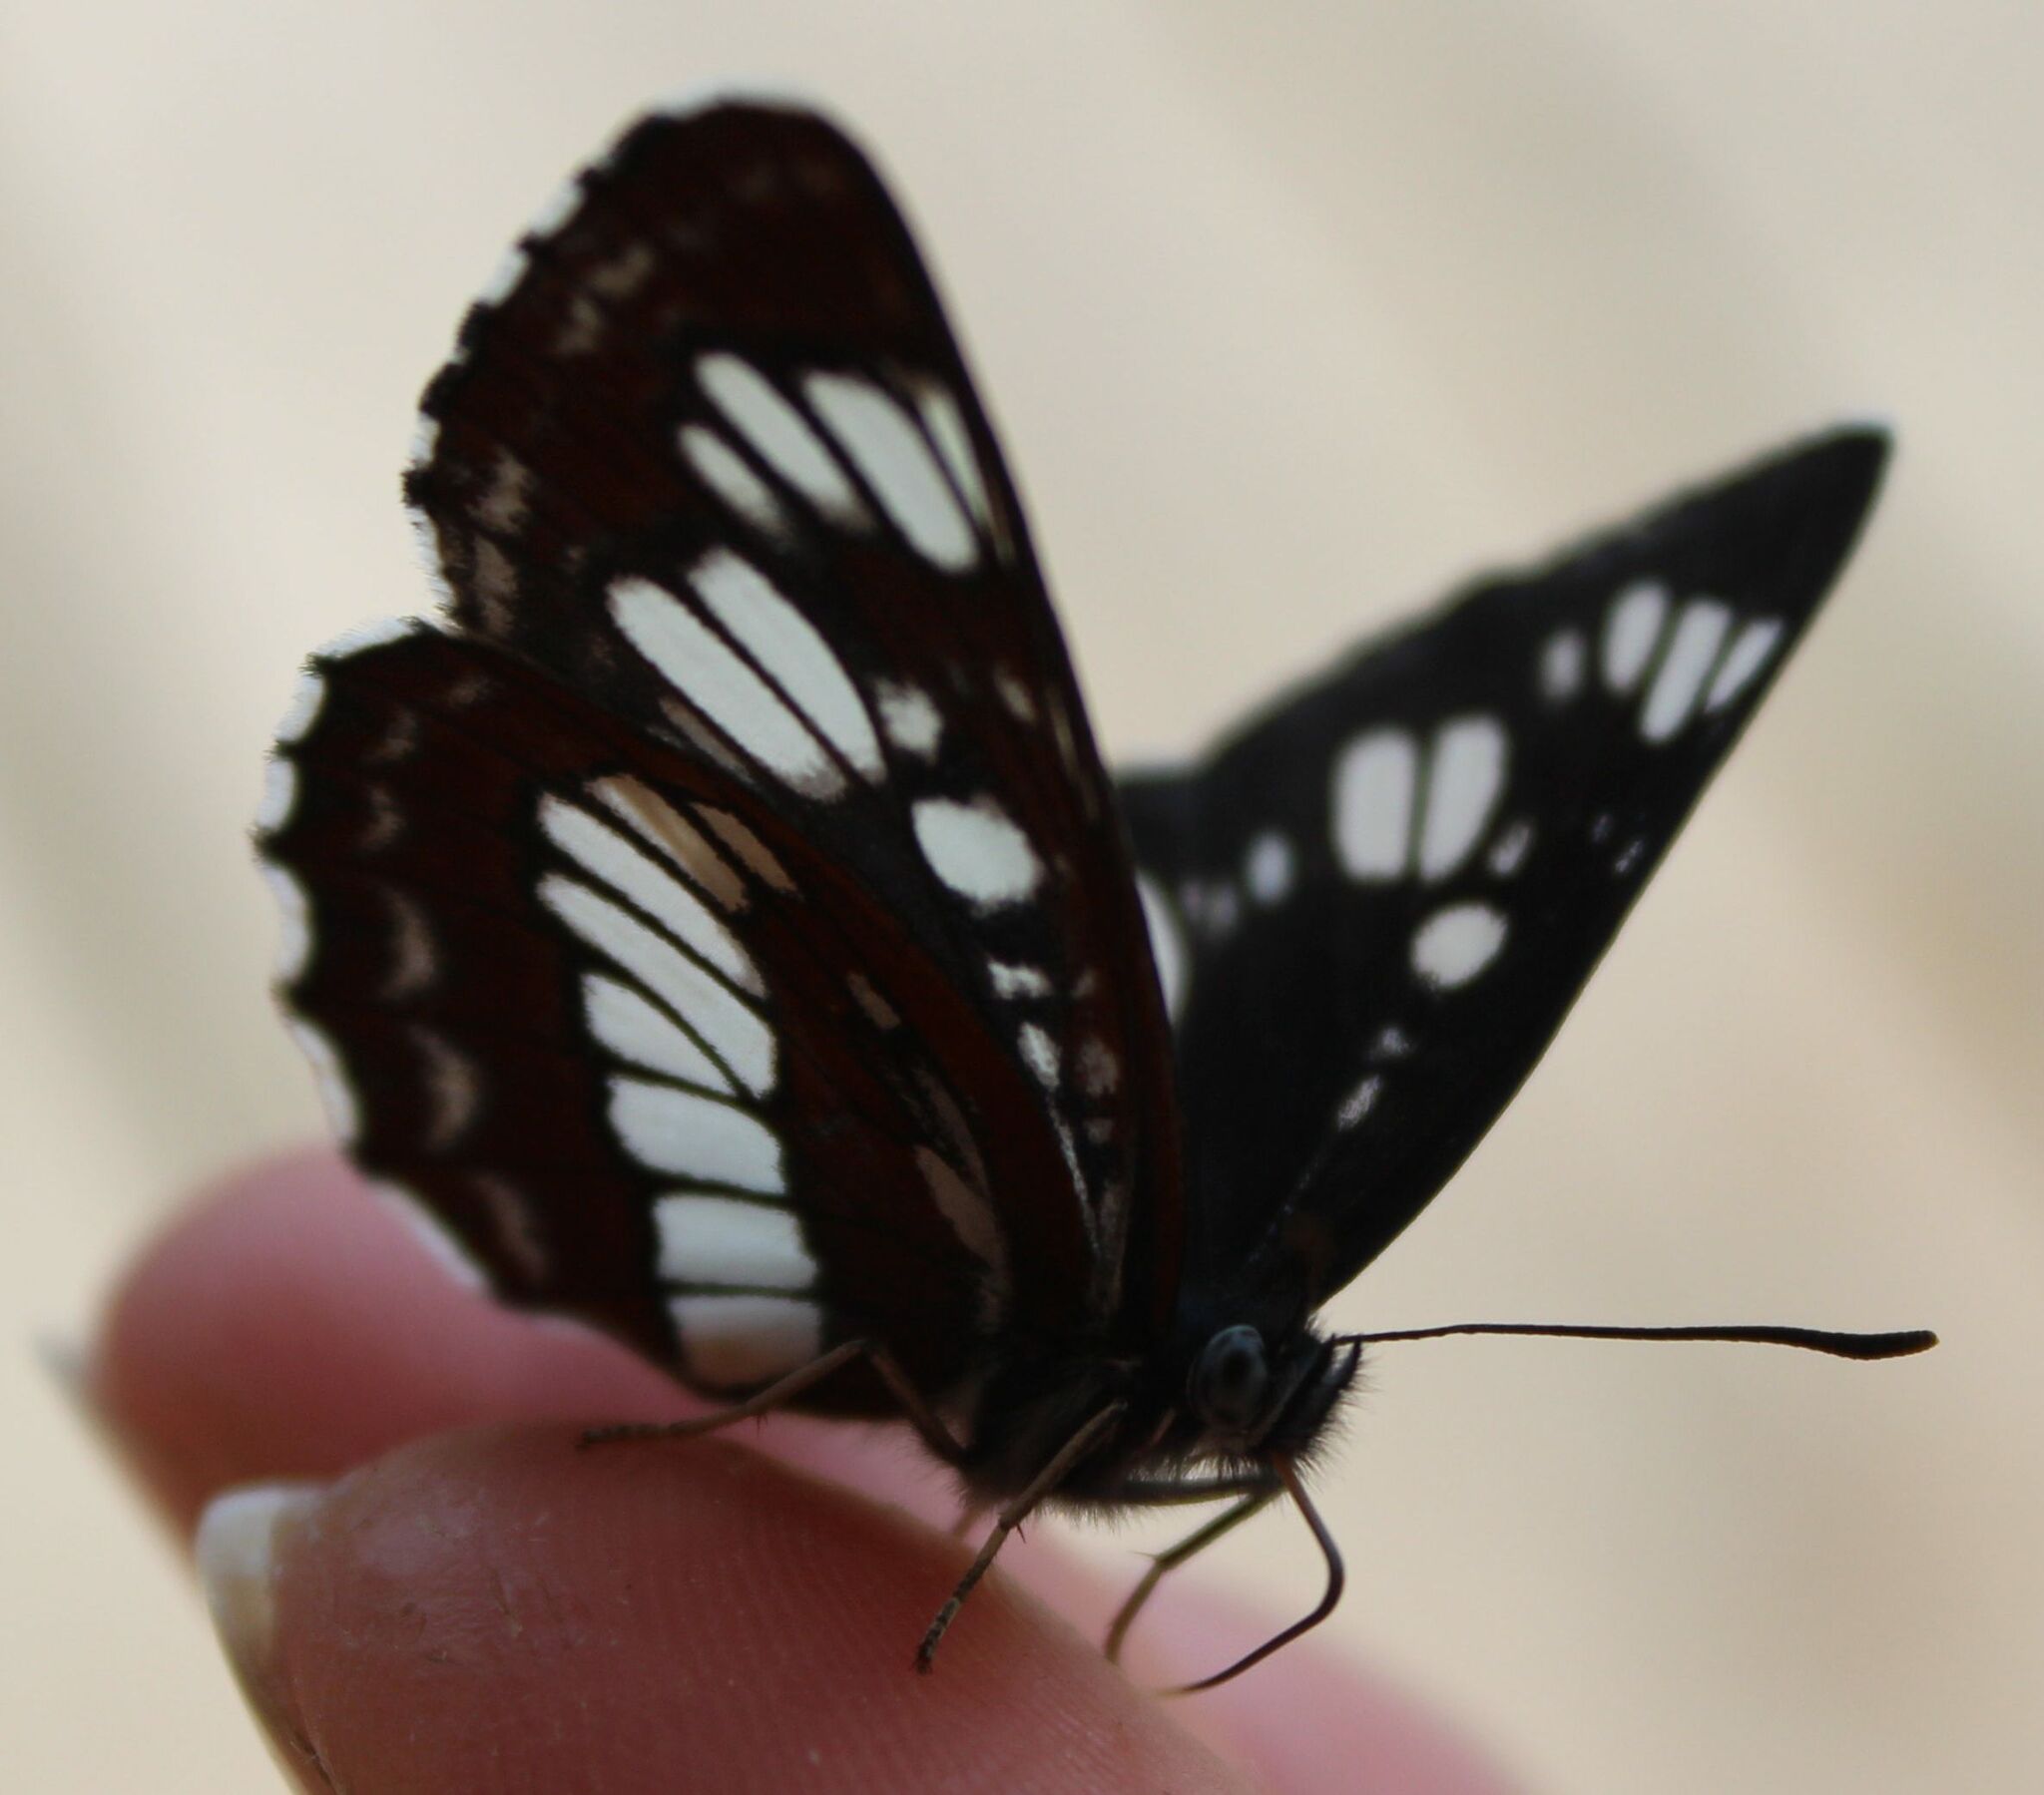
(1383, 894)
(710, 454)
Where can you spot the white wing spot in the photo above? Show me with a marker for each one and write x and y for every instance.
(280, 795)
(687, 1135)
(1751, 651)
(883, 442)
(1373, 783)
(385, 822)
(503, 278)
(399, 743)
(1456, 943)
(1015, 982)
(690, 724)
(1508, 852)
(1067, 739)
(1629, 856)
(495, 582)
(1561, 666)
(1100, 1071)
(640, 1033)
(720, 468)
(977, 851)
(780, 435)
(1632, 630)
(749, 850)
(293, 922)
(1392, 1043)
(599, 850)
(452, 1084)
(723, 1240)
(364, 636)
(734, 1032)
(520, 1236)
(732, 1342)
(425, 437)
(784, 643)
(625, 273)
(1465, 776)
(1679, 682)
(977, 1227)
(715, 681)
(302, 711)
(505, 501)
(662, 826)
(910, 717)
(1358, 1103)
(336, 1094)
(877, 1010)
(560, 205)
(1166, 943)
(1268, 869)
(1040, 1053)
(1015, 693)
(413, 963)
(946, 425)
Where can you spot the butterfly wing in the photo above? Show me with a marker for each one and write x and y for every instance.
(711, 491)
(645, 1054)
(1381, 895)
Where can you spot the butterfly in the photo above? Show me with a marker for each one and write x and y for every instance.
(720, 924)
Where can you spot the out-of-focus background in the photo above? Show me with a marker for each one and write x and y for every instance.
(1292, 313)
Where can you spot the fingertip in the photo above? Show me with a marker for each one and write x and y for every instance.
(287, 1327)
(682, 1617)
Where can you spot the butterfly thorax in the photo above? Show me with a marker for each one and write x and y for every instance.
(1224, 1400)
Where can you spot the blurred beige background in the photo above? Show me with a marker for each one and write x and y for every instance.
(1292, 313)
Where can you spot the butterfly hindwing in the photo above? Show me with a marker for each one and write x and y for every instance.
(647, 1055)
(1388, 889)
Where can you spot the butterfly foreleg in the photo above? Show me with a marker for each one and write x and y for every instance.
(1256, 1489)
(915, 1408)
(1012, 1516)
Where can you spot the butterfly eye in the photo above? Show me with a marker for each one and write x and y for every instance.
(1230, 1377)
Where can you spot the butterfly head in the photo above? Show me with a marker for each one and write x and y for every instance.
(1254, 1398)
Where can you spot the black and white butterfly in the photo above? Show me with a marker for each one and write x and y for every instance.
(721, 922)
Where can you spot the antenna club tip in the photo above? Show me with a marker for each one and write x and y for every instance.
(1914, 1341)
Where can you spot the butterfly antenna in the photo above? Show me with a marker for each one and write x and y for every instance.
(1337, 1577)
(1898, 1345)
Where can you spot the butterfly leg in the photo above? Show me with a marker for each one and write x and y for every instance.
(1330, 1597)
(925, 1419)
(1256, 1492)
(1012, 1516)
(1180, 1491)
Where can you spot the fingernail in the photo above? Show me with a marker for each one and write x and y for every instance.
(235, 1548)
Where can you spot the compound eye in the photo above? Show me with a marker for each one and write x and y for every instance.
(1230, 1377)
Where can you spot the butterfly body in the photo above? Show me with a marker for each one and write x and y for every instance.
(1224, 1402)
(720, 925)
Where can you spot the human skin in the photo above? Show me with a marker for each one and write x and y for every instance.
(430, 1587)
